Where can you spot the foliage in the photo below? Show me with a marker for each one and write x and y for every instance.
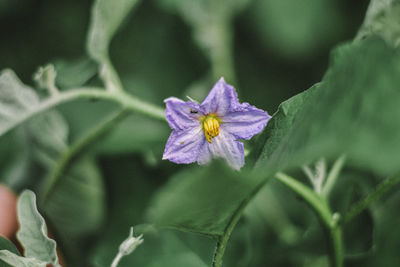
(39, 249)
(89, 140)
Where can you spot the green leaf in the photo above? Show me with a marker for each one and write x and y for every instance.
(74, 73)
(48, 134)
(16, 260)
(279, 125)
(79, 194)
(18, 102)
(6, 244)
(33, 231)
(135, 134)
(107, 15)
(353, 111)
(201, 199)
(130, 188)
(41, 141)
(382, 19)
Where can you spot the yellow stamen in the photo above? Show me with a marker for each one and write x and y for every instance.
(211, 128)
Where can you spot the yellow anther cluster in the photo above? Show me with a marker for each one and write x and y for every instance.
(211, 128)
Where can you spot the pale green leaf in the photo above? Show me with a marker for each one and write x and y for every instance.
(16, 100)
(382, 19)
(19, 261)
(33, 231)
(107, 15)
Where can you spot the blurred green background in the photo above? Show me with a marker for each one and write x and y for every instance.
(278, 49)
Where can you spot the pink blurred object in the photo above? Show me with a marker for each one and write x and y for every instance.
(8, 212)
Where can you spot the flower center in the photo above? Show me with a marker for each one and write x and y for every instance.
(211, 127)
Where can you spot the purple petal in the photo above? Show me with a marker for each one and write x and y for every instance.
(221, 99)
(225, 146)
(182, 115)
(245, 122)
(184, 146)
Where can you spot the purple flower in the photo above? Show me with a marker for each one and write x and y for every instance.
(211, 129)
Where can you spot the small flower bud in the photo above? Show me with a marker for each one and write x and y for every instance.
(130, 244)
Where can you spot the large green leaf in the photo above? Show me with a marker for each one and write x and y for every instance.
(201, 199)
(33, 231)
(205, 199)
(107, 15)
(78, 194)
(353, 111)
(279, 125)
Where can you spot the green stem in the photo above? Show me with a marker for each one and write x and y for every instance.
(223, 240)
(127, 101)
(372, 197)
(320, 206)
(109, 76)
(70, 154)
(221, 53)
(332, 176)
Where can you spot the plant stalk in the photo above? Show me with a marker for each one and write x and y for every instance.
(77, 148)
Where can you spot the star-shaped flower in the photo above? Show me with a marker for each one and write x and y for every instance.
(213, 128)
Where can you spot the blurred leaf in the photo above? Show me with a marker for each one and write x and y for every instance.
(211, 22)
(352, 111)
(41, 141)
(382, 19)
(296, 28)
(201, 199)
(363, 228)
(159, 249)
(16, 100)
(131, 186)
(352, 187)
(6, 244)
(199, 13)
(79, 194)
(47, 135)
(135, 134)
(16, 260)
(107, 16)
(74, 73)
(33, 231)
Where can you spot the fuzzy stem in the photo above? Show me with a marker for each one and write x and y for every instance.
(372, 197)
(127, 101)
(332, 176)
